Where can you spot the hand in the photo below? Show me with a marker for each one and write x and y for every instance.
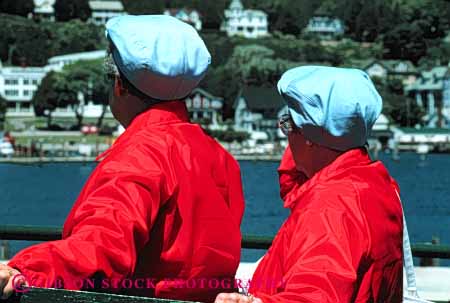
(236, 298)
(6, 281)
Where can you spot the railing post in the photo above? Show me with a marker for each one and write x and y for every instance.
(431, 261)
(4, 250)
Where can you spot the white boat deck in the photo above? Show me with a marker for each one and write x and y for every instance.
(433, 283)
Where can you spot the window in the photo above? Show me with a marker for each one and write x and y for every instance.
(25, 105)
(35, 81)
(26, 93)
(12, 105)
(240, 28)
(250, 29)
(11, 92)
(11, 82)
(26, 81)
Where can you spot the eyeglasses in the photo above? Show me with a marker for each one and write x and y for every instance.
(286, 124)
(110, 69)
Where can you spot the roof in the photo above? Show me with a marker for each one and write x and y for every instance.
(430, 80)
(236, 4)
(254, 13)
(261, 98)
(395, 66)
(78, 56)
(17, 70)
(44, 6)
(425, 130)
(175, 11)
(358, 63)
(390, 65)
(205, 93)
(106, 5)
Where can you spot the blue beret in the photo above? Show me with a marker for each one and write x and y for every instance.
(334, 107)
(161, 56)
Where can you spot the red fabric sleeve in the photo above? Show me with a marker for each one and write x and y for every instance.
(321, 259)
(290, 178)
(102, 233)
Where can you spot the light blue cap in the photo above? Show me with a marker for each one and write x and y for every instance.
(334, 107)
(160, 55)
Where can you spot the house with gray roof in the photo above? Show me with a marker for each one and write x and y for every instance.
(432, 92)
(389, 69)
(257, 109)
(403, 70)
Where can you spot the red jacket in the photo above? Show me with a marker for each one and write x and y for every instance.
(343, 239)
(165, 203)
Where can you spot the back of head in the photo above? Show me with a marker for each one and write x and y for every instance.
(334, 107)
(159, 55)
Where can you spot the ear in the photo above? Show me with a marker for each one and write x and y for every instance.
(119, 89)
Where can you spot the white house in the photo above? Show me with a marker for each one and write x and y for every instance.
(432, 92)
(248, 23)
(104, 10)
(190, 16)
(43, 9)
(17, 86)
(399, 69)
(205, 108)
(325, 26)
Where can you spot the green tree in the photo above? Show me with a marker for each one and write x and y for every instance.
(286, 16)
(23, 41)
(75, 36)
(436, 55)
(219, 46)
(66, 10)
(248, 65)
(47, 97)
(85, 79)
(17, 7)
(406, 42)
(212, 12)
(75, 85)
(143, 7)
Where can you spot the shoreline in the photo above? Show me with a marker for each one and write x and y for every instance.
(90, 159)
(85, 160)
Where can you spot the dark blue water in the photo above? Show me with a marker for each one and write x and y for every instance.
(43, 195)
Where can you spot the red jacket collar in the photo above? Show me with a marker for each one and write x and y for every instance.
(161, 113)
(351, 158)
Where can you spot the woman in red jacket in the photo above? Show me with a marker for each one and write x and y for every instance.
(342, 241)
(160, 215)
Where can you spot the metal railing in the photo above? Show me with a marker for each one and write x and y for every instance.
(41, 233)
(42, 295)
